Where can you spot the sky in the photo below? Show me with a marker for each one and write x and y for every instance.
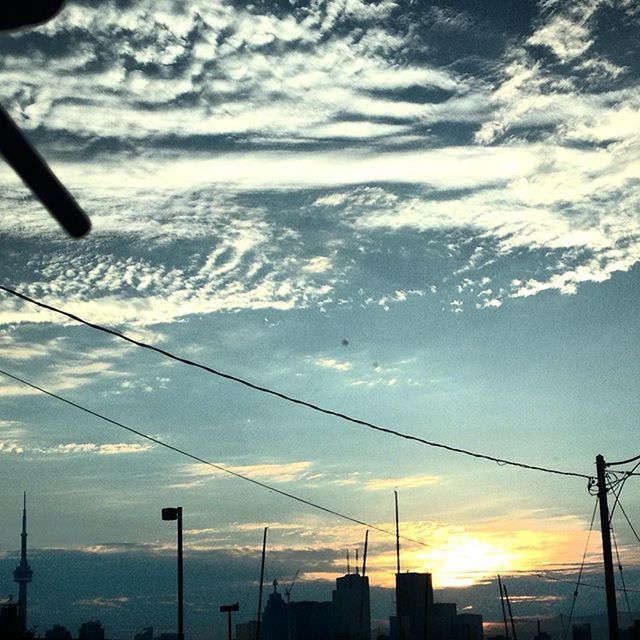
(420, 214)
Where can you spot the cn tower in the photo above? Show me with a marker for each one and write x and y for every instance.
(23, 574)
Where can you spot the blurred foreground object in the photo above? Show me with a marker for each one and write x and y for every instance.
(27, 13)
(15, 147)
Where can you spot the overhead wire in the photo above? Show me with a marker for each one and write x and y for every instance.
(289, 398)
(624, 586)
(584, 557)
(635, 533)
(620, 486)
(588, 585)
(213, 465)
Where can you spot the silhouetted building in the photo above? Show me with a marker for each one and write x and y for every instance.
(275, 625)
(91, 630)
(23, 574)
(469, 627)
(310, 620)
(633, 633)
(322, 621)
(351, 608)
(58, 632)
(444, 620)
(300, 620)
(147, 634)
(414, 603)
(247, 630)
(582, 631)
(9, 621)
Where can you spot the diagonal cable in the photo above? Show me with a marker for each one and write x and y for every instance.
(288, 398)
(584, 557)
(218, 467)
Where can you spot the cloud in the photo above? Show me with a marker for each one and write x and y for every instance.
(409, 482)
(112, 603)
(108, 449)
(266, 472)
(332, 363)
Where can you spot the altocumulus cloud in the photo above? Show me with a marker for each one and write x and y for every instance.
(211, 128)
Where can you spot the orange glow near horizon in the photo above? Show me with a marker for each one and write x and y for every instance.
(461, 558)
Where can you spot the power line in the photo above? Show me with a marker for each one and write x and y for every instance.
(624, 513)
(624, 586)
(544, 576)
(615, 464)
(584, 558)
(288, 398)
(218, 467)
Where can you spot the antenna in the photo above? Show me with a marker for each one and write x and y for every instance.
(504, 612)
(506, 597)
(264, 553)
(357, 573)
(364, 559)
(395, 493)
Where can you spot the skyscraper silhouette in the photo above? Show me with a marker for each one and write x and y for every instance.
(23, 574)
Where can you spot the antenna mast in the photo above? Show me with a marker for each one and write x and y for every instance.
(364, 558)
(395, 493)
(264, 552)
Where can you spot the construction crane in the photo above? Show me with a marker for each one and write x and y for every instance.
(287, 590)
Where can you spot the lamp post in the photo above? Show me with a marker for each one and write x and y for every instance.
(228, 608)
(175, 513)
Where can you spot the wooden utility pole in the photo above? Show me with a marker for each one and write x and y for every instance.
(605, 527)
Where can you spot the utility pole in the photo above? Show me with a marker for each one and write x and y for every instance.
(610, 585)
(264, 552)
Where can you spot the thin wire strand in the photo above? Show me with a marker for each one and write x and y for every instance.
(622, 482)
(218, 467)
(288, 398)
(584, 558)
(544, 576)
(635, 533)
(624, 586)
(615, 464)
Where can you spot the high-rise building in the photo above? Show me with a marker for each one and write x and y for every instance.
(469, 627)
(274, 619)
(91, 630)
(414, 606)
(23, 574)
(444, 620)
(351, 607)
(58, 632)
(9, 622)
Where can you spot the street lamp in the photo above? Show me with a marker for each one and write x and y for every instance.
(175, 513)
(228, 608)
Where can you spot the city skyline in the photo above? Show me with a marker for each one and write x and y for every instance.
(421, 215)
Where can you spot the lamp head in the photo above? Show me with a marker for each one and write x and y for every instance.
(170, 513)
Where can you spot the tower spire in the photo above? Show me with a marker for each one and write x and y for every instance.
(23, 574)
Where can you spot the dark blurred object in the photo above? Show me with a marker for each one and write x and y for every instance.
(36, 174)
(27, 13)
(15, 147)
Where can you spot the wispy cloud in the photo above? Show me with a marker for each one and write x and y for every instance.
(266, 472)
(408, 482)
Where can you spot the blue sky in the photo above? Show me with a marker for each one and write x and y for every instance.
(421, 214)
